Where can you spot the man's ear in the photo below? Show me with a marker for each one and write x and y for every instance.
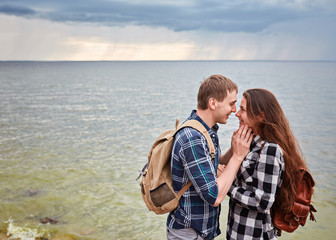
(212, 103)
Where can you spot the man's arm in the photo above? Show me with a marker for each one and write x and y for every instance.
(241, 141)
(197, 163)
(225, 158)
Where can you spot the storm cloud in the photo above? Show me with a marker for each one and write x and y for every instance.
(223, 16)
(167, 30)
(16, 10)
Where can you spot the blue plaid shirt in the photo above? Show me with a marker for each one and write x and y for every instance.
(191, 161)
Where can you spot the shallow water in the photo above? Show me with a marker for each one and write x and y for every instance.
(74, 134)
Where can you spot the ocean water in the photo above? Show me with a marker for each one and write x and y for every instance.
(74, 134)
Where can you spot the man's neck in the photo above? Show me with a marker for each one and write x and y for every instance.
(206, 116)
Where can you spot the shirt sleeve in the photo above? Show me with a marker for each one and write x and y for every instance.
(199, 167)
(261, 180)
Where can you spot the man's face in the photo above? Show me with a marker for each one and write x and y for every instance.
(226, 107)
(242, 114)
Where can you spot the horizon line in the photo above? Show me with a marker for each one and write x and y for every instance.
(219, 60)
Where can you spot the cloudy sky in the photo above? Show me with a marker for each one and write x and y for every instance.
(168, 30)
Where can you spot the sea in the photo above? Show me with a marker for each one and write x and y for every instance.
(73, 136)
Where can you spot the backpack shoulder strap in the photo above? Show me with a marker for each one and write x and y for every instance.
(185, 187)
(199, 127)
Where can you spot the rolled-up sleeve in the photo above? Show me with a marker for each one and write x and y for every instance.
(257, 192)
(199, 167)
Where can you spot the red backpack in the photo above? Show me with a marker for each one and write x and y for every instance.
(290, 221)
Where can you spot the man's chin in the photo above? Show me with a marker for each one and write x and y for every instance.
(223, 122)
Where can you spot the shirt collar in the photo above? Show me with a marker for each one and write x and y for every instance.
(257, 142)
(194, 115)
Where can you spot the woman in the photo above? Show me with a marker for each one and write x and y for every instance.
(262, 179)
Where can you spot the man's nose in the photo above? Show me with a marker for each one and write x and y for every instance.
(234, 109)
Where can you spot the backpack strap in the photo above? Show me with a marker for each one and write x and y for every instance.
(185, 188)
(199, 127)
(262, 146)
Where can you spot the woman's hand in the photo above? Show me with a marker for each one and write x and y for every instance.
(220, 169)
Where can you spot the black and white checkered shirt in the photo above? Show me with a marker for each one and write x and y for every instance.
(253, 192)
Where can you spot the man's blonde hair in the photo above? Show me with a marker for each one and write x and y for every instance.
(215, 86)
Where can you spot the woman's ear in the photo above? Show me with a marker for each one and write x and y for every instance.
(261, 117)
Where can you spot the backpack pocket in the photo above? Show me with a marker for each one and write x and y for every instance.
(161, 195)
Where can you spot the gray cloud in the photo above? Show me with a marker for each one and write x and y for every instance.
(16, 10)
(233, 16)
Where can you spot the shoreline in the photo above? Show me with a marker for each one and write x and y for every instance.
(4, 236)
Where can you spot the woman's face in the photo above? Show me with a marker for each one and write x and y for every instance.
(242, 115)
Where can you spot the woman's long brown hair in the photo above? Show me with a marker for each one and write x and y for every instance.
(274, 127)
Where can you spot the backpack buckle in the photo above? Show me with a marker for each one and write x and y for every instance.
(143, 171)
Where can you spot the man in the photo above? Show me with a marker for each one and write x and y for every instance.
(197, 216)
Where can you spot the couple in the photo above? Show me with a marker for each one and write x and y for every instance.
(251, 172)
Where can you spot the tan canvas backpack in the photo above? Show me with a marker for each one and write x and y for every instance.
(156, 182)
